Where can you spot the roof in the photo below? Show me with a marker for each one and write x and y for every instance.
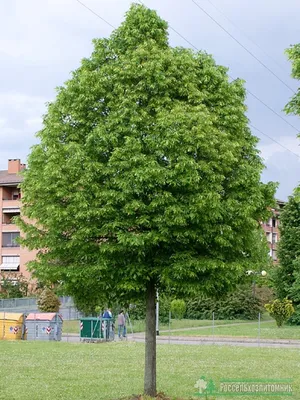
(6, 178)
(42, 316)
(11, 316)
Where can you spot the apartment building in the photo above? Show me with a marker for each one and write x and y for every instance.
(271, 229)
(13, 258)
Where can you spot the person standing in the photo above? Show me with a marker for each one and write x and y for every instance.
(121, 325)
(107, 325)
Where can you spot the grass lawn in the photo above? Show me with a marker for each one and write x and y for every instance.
(268, 330)
(67, 371)
(139, 326)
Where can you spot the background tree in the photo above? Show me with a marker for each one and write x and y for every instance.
(146, 175)
(178, 308)
(48, 301)
(293, 53)
(287, 275)
(280, 310)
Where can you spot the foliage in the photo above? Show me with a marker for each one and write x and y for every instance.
(178, 308)
(13, 286)
(143, 177)
(137, 311)
(280, 310)
(293, 53)
(264, 294)
(48, 301)
(141, 183)
(237, 305)
(286, 277)
(295, 318)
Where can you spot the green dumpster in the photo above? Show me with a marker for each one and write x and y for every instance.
(94, 329)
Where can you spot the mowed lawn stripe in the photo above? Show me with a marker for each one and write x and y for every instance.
(47, 370)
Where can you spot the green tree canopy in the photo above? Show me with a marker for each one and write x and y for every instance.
(287, 275)
(293, 53)
(146, 175)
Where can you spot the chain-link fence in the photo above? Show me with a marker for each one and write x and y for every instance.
(28, 305)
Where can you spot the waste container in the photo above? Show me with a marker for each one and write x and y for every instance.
(12, 326)
(44, 326)
(94, 329)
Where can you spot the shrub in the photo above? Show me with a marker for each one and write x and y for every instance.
(178, 308)
(137, 311)
(13, 286)
(48, 301)
(280, 310)
(295, 318)
(240, 304)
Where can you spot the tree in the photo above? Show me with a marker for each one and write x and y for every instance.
(280, 310)
(146, 176)
(48, 301)
(12, 286)
(178, 308)
(287, 275)
(293, 53)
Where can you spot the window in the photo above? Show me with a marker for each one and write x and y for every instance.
(11, 259)
(274, 255)
(269, 223)
(274, 222)
(274, 238)
(9, 239)
(269, 237)
(16, 195)
(10, 263)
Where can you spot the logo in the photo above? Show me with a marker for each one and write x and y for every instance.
(243, 387)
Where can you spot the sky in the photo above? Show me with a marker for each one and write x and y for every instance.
(41, 42)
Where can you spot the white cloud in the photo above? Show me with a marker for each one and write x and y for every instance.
(42, 41)
(286, 142)
(2, 122)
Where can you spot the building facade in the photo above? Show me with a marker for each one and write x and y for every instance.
(271, 229)
(13, 257)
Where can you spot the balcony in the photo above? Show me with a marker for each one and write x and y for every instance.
(9, 227)
(8, 215)
(10, 251)
(10, 245)
(16, 204)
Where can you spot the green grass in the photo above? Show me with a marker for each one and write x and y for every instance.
(268, 330)
(67, 371)
(139, 326)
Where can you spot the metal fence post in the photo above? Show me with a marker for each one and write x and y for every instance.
(170, 327)
(258, 329)
(213, 326)
(34, 326)
(3, 326)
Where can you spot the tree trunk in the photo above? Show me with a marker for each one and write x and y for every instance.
(150, 342)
